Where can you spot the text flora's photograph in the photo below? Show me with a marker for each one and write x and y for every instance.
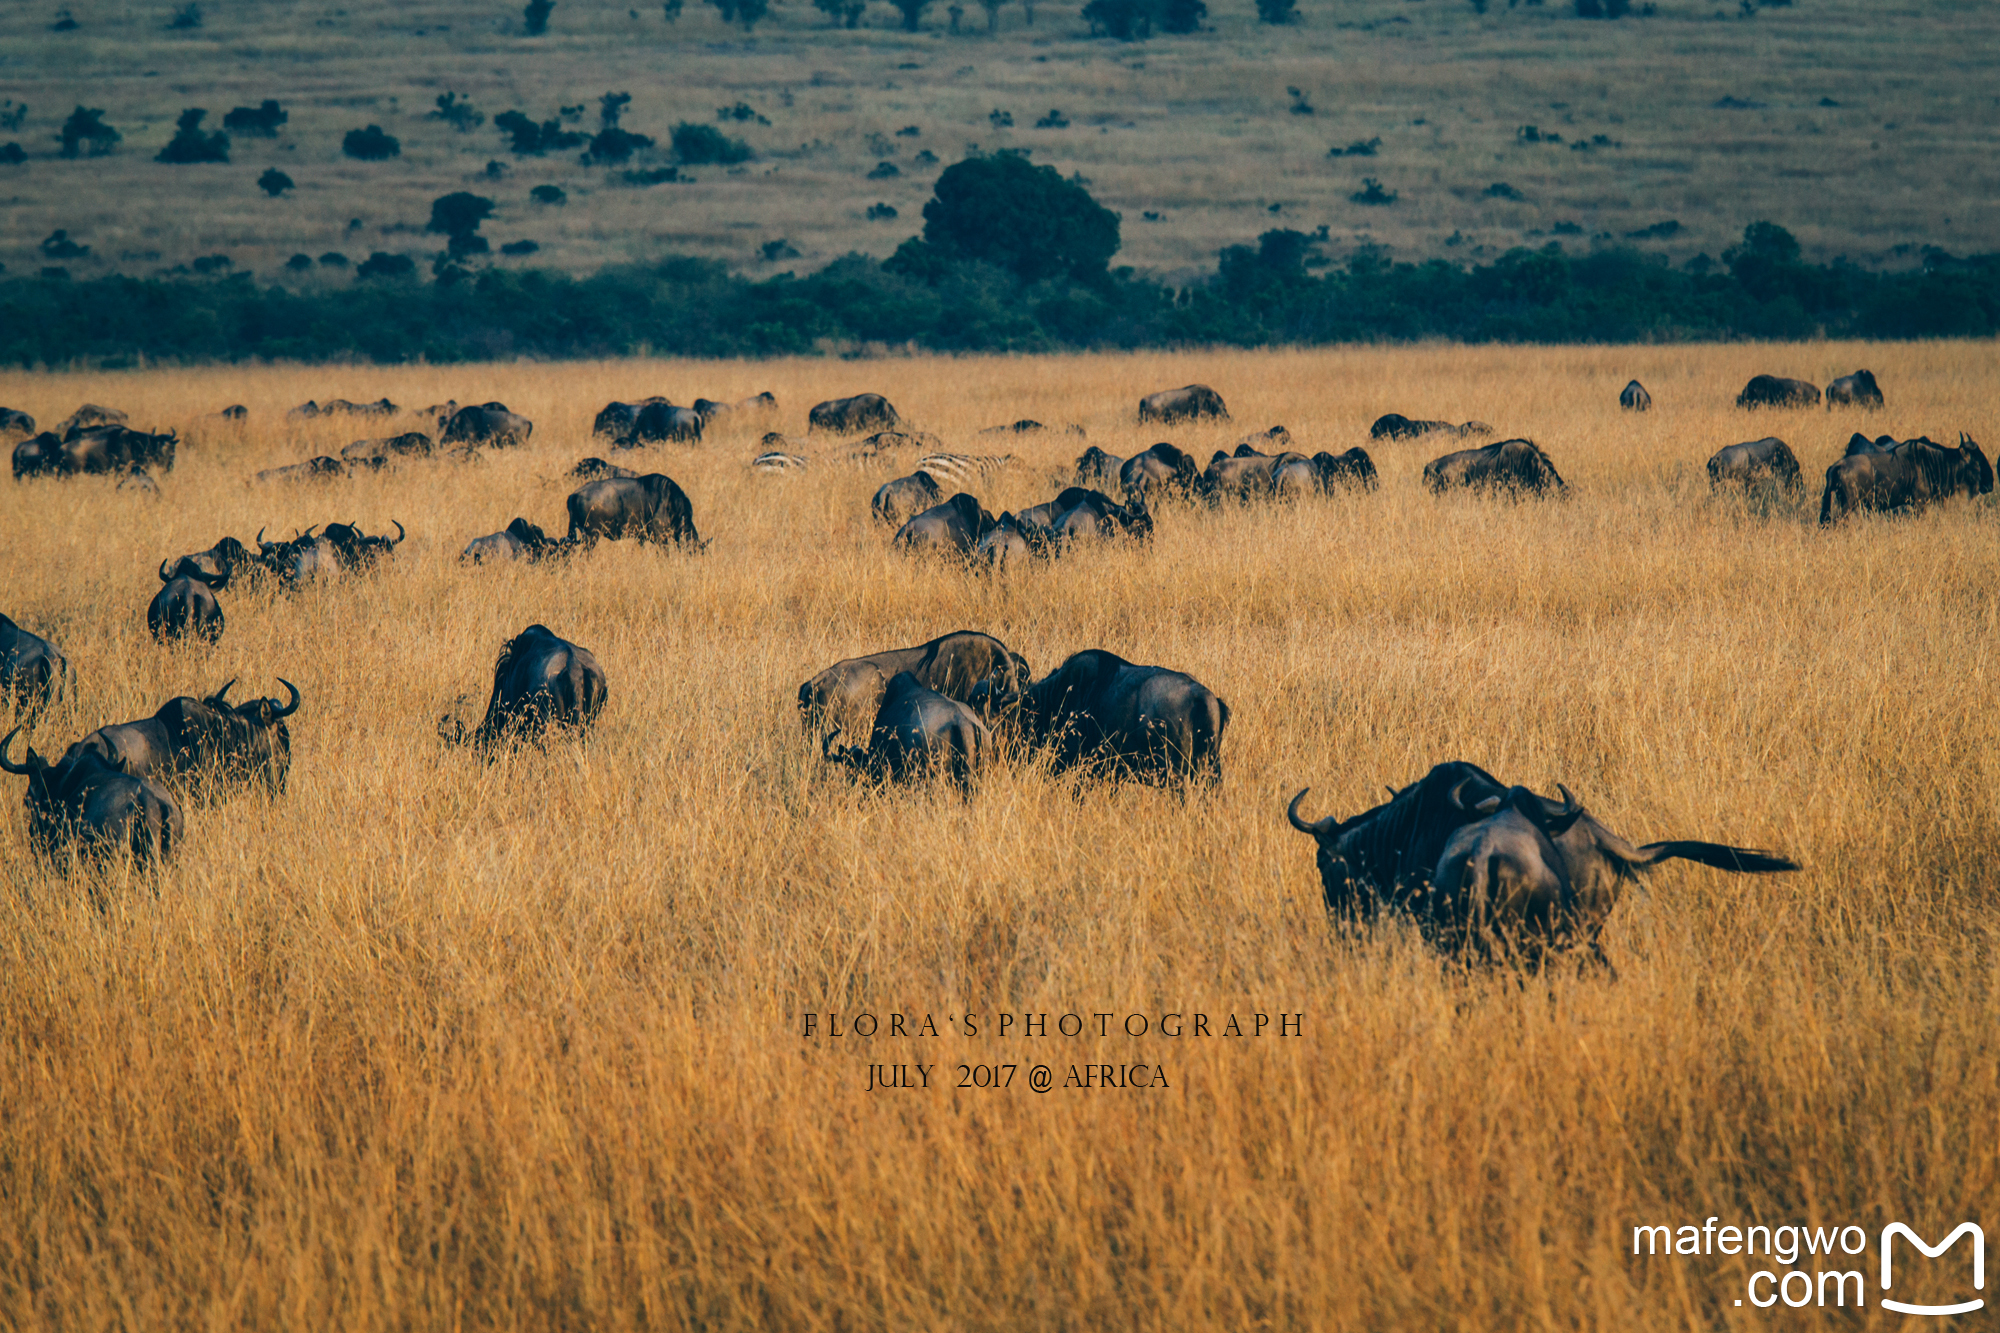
(1136, 663)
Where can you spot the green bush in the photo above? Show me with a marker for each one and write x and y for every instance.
(697, 144)
(189, 144)
(1019, 217)
(372, 144)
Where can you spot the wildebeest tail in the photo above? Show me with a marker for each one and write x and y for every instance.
(1738, 860)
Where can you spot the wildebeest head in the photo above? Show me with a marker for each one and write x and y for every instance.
(356, 548)
(183, 569)
(37, 770)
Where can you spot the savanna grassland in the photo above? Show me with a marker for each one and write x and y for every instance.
(430, 1042)
(1866, 127)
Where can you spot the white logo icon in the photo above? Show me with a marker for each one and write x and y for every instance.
(1895, 1229)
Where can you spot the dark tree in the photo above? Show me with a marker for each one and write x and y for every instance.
(548, 194)
(1124, 19)
(1182, 16)
(299, 263)
(846, 13)
(380, 265)
(58, 245)
(372, 144)
(1279, 11)
(696, 144)
(274, 182)
(262, 120)
(912, 12)
(1020, 217)
(533, 140)
(459, 214)
(189, 144)
(458, 113)
(186, 17)
(746, 12)
(85, 130)
(12, 154)
(536, 15)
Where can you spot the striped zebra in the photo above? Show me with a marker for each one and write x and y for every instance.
(963, 470)
(777, 460)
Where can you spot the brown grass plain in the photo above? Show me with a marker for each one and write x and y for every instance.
(435, 1043)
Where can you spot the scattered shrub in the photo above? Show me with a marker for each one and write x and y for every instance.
(1277, 11)
(654, 176)
(12, 154)
(299, 263)
(13, 113)
(1502, 190)
(380, 265)
(65, 22)
(1371, 192)
(697, 144)
(58, 245)
(845, 13)
(458, 113)
(536, 16)
(741, 113)
(530, 139)
(189, 144)
(1055, 120)
(372, 144)
(884, 171)
(912, 12)
(86, 131)
(613, 144)
(549, 194)
(459, 214)
(261, 121)
(746, 12)
(274, 182)
(880, 212)
(496, 170)
(208, 264)
(333, 259)
(1359, 148)
(186, 17)
(778, 249)
(519, 248)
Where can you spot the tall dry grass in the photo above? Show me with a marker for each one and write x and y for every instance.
(430, 1042)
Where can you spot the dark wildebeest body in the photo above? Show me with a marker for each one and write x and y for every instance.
(655, 422)
(1097, 708)
(186, 604)
(15, 424)
(95, 807)
(1395, 426)
(1774, 391)
(90, 414)
(900, 500)
(521, 540)
(234, 412)
(1912, 475)
(953, 528)
(1008, 545)
(1484, 867)
(1856, 390)
(1634, 398)
(592, 468)
(303, 557)
(1858, 443)
(615, 420)
(33, 672)
(1190, 403)
(226, 744)
(712, 410)
(1768, 459)
(541, 681)
(221, 560)
(918, 733)
(1353, 468)
(1080, 512)
(850, 416)
(1514, 466)
(489, 424)
(652, 508)
(340, 407)
(114, 448)
(39, 456)
(322, 468)
(355, 549)
(1094, 467)
(1162, 467)
(410, 444)
(849, 692)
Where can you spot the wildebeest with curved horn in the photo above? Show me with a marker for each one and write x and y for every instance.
(1395, 426)
(487, 423)
(652, 508)
(1150, 722)
(951, 528)
(186, 604)
(1514, 466)
(851, 416)
(1353, 468)
(93, 806)
(849, 692)
(1768, 459)
(1007, 546)
(1193, 402)
(1095, 467)
(1856, 390)
(356, 550)
(655, 422)
(226, 744)
(540, 681)
(1634, 398)
(614, 420)
(1482, 866)
(1079, 512)
(34, 674)
(1163, 466)
(1910, 476)
(917, 733)
(303, 557)
(1776, 391)
(521, 540)
(114, 448)
(898, 501)
(224, 559)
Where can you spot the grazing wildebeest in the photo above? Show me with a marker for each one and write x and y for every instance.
(1511, 465)
(591, 468)
(15, 424)
(186, 603)
(1276, 439)
(1395, 426)
(775, 461)
(489, 424)
(355, 549)
(1079, 513)
(234, 412)
(322, 468)
(1910, 476)
(1768, 459)
(410, 444)
(114, 448)
(521, 540)
(897, 501)
(661, 421)
(614, 420)
(1240, 476)
(1353, 468)
(849, 692)
(953, 527)
(33, 672)
(651, 508)
(540, 681)
(1772, 391)
(1294, 476)
(220, 560)
(90, 414)
(1634, 398)
(712, 410)
(1489, 868)
(138, 481)
(303, 557)
(1007, 546)
(1153, 723)
(1856, 390)
(962, 470)
(222, 743)
(1162, 467)
(851, 416)
(1858, 443)
(1190, 403)
(41, 455)
(886, 441)
(90, 804)
(918, 733)
(1094, 467)
(340, 407)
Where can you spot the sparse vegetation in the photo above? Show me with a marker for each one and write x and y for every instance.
(382, 265)
(190, 144)
(186, 18)
(372, 144)
(458, 112)
(530, 139)
(696, 144)
(274, 182)
(1371, 192)
(85, 131)
(535, 18)
(553, 195)
(748, 13)
(263, 120)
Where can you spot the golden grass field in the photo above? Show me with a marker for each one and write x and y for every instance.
(1197, 130)
(436, 1043)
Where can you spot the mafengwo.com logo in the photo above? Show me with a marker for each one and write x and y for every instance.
(1810, 1266)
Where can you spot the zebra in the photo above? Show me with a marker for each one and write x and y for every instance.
(778, 461)
(963, 470)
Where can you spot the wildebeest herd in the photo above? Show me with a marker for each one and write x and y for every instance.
(1483, 868)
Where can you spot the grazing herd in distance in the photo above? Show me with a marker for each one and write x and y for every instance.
(1481, 867)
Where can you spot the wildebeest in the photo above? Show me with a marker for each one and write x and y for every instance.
(953, 527)
(1274, 439)
(1353, 468)
(1006, 545)
(774, 461)
(651, 508)
(1094, 467)
(1768, 459)
(592, 468)
(220, 560)
(410, 444)
(1856, 390)
(1484, 867)
(186, 604)
(322, 468)
(34, 674)
(521, 540)
(887, 441)
(897, 501)
(711, 410)
(1192, 402)
(540, 681)
(1514, 466)
(1773, 391)
(962, 470)
(917, 733)
(211, 739)
(355, 549)
(1395, 426)
(1097, 708)
(655, 422)
(88, 803)
(1162, 467)
(1079, 513)
(113, 448)
(1858, 443)
(90, 414)
(40, 455)
(851, 416)
(340, 407)
(234, 412)
(303, 557)
(15, 424)
(1634, 398)
(487, 423)
(849, 692)
(614, 420)
(1914, 474)
(137, 481)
